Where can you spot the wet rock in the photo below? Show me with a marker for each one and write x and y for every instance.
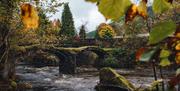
(110, 80)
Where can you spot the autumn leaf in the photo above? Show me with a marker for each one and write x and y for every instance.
(105, 28)
(139, 53)
(178, 47)
(177, 58)
(29, 16)
(165, 62)
(164, 53)
(174, 81)
(147, 55)
(178, 35)
(142, 9)
(114, 9)
(131, 13)
(135, 10)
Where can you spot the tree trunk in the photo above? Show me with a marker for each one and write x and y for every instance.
(6, 14)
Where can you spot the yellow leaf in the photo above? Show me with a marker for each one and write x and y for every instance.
(165, 62)
(164, 53)
(113, 9)
(131, 13)
(178, 58)
(178, 47)
(178, 35)
(135, 10)
(29, 16)
(142, 9)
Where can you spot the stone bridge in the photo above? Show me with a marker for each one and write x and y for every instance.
(71, 57)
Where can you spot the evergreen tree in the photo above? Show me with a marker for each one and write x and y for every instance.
(68, 28)
(43, 22)
(82, 33)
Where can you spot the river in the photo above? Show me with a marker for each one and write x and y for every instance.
(48, 79)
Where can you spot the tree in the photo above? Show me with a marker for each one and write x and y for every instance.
(82, 33)
(43, 22)
(105, 31)
(6, 15)
(9, 24)
(68, 28)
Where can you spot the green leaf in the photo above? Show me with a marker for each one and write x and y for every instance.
(159, 6)
(165, 62)
(161, 31)
(164, 53)
(114, 9)
(147, 55)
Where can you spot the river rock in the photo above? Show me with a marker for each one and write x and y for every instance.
(110, 80)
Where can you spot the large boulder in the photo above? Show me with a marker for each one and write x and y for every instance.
(110, 80)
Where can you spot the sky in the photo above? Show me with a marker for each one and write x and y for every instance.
(84, 13)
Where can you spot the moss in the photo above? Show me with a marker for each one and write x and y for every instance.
(13, 84)
(110, 76)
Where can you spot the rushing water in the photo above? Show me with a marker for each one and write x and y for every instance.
(48, 79)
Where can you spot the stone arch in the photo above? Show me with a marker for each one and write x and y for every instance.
(67, 63)
(99, 51)
(101, 55)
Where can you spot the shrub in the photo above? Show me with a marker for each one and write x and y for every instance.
(110, 62)
(126, 58)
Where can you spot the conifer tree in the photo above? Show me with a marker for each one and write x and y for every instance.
(82, 33)
(68, 28)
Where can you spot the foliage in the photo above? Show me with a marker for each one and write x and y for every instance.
(159, 6)
(47, 30)
(29, 16)
(82, 33)
(91, 34)
(162, 34)
(113, 9)
(110, 62)
(125, 57)
(68, 28)
(161, 31)
(43, 22)
(147, 55)
(135, 10)
(135, 27)
(105, 31)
